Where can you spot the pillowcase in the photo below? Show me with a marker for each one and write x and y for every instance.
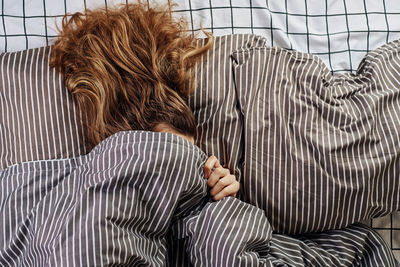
(215, 104)
(39, 120)
(321, 151)
(38, 117)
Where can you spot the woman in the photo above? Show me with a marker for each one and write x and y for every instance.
(129, 68)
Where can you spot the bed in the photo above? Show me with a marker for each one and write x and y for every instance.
(340, 34)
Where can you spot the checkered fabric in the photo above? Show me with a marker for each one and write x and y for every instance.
(340, 32)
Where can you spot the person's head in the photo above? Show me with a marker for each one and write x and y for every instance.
(129, 67)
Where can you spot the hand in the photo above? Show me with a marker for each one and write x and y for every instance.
(221, 181)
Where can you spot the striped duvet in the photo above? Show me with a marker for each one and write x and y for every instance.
(134, 198)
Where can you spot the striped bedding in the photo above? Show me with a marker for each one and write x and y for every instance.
(39, 121)
(339, 32)
(320, 151)
(125, 203)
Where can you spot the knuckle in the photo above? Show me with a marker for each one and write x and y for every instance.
(222, 183)
(208, 165)
(219, 171)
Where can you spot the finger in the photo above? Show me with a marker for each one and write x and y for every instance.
(211, 163)
(216, 175)
(222, 183)
(227, 191)
(237, 189)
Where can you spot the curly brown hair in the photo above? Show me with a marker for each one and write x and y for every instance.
(129, 68)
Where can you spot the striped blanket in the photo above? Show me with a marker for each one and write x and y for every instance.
(140, 199)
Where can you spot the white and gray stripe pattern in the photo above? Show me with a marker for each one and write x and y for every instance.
(321, 151)
(111, 206)
(39, 121)
(116, 205)
(214, 102)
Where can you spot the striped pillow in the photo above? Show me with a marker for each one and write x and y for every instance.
(321, 151)
(39, 120)
(215, 103)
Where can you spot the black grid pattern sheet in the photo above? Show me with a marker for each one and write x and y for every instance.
(389, 228)
(340, 32)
